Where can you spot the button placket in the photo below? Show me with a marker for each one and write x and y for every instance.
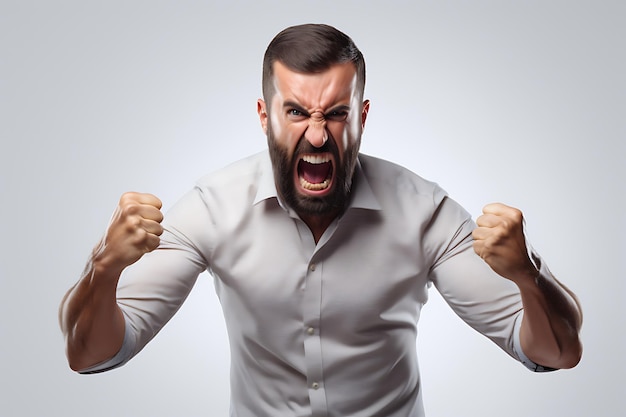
(311, 309)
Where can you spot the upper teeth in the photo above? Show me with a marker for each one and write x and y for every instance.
(316, 159)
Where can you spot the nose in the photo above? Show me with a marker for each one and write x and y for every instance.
(316, 132)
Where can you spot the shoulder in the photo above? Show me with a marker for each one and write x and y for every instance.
(220, 200)
(390, 181)
(233, 189)
(411, 205)
(244, 171)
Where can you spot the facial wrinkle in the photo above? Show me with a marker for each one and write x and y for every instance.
(317, 121)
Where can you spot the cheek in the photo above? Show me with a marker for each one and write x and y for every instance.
(275, 122)
(277, 127)
(352, 128)
(286, 134)
(348, 133)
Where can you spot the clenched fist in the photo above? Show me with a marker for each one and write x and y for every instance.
(499, 240)
(133, 231)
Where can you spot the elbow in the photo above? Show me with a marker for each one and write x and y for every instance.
(78, 354)
(76, 363)
(551, 352)
(81, 364)
(75, 366)
(570, 350)
(566, 357)
(75, 360)
(572, 356)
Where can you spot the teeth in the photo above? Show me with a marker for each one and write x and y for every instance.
(314, 187)
(316, 159)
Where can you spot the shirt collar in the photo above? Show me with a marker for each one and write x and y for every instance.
(267, 188)
(363, 196)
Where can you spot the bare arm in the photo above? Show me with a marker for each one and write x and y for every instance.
(90, 319)
(552, 319)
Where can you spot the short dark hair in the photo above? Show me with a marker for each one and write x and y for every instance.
(309, 49)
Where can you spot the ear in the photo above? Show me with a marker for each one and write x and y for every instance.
(366, 109)
(261, 109)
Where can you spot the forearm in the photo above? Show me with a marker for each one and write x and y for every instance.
(90, 318)
(549, 333)
(91, 321)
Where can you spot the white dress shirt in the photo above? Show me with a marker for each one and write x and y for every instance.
(326, 329)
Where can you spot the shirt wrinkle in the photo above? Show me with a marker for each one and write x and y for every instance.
(325, 329)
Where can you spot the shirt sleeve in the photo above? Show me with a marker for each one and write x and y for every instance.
(517, 348)
(488, 302)
(120, 358)
(152, 290)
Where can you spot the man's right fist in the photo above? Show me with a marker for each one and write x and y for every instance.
(133, 231)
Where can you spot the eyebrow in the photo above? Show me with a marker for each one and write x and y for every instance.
(293, 105)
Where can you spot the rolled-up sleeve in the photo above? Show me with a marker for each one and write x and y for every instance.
(120, 358)
(152, 290)
(488, 302)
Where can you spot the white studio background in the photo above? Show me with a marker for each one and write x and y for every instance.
(522, 102)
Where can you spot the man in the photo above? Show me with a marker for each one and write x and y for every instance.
(322, 258)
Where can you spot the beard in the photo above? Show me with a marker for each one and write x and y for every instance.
(284, 165)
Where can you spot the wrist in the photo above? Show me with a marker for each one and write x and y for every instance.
(103, 263)
(103, 269)
(527, 277)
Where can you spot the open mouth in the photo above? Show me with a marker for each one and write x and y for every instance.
(315, 171)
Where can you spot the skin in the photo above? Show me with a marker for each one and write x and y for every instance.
(550, 329)
(315, 108)
(303, 115)
(90, 318)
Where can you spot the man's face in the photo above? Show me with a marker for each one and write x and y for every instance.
(313, 125)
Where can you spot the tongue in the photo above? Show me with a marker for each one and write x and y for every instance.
(314, 173)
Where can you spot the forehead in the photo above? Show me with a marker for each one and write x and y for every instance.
(335, 85)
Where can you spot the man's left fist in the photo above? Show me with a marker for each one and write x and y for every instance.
(499, 240)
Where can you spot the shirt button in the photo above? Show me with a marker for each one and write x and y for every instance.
(315, 385)
(310, 330)
(312, 267)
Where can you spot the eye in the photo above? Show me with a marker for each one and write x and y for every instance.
(337, 116)
(296, 114)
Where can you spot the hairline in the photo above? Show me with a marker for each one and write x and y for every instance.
(271, 77)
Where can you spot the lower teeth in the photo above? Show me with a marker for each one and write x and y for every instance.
(314, 187)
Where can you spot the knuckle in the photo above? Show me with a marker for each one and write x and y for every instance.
(157, 202)
(506, 224)
(152, 243)
(499, 236)
(132, 223)
(128, 197)
(130, 209)
(139, 236)
(517, 215)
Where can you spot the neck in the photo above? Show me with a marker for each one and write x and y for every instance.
(318, 223)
